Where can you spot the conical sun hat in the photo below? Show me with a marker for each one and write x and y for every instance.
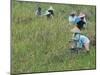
(75, 30)
(50, 8)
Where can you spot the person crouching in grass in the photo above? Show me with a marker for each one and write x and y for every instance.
(38, 11)
(72, 17)
(80, 41)
(50, 12)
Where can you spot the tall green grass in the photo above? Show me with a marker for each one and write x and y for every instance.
(41, 45)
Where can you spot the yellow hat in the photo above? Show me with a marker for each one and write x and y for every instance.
(75, 30)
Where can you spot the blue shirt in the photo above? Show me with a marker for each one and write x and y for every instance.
(81, 40)
(77, 20)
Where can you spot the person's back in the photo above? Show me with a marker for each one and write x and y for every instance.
(85, 42)
(82, 41)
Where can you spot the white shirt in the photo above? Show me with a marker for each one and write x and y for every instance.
(72, 19)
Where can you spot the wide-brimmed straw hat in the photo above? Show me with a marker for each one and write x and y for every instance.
(75, 30)
(50, 8)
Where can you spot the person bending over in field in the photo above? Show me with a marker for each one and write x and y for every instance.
(81, 21)
(50, 12)
(78, 21)
(81, 41)
(72, 18)
(38, 11)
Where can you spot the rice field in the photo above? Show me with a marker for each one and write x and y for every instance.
(39, 44)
